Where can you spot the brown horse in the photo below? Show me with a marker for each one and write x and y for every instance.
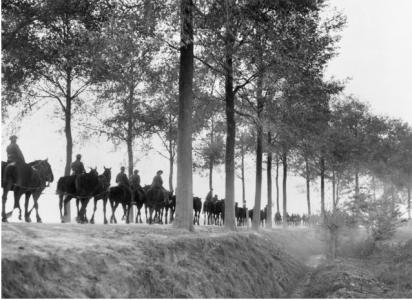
(29, 179)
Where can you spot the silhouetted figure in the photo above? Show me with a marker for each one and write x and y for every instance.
(14, 154)
(77, 166)
(135, 180)
(157, 180)
(121, 178)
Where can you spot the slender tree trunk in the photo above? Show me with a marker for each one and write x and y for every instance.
(210, 174)
(285, 175)
(129, 140)
(409, 202)
(171, 166)
(307, 185)
(357, 185)
(333, 190)
(269, 184)
(171, 155)
(277, 184)
(322, 188)
(243, 177)
(69, 138)
(337, 189)
(357, 194)
(211, 162)
(259, 154)
(184, 189)
(230, 122)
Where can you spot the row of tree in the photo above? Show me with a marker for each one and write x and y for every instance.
(236, 77)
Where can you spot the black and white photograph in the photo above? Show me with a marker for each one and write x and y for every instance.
(206, 149)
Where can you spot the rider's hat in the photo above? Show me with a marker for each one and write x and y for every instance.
(13, 138)
(160, 171)
(78, 156)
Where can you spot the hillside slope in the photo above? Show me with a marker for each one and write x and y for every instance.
(70, 260)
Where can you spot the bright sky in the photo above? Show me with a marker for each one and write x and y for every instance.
(375, 52)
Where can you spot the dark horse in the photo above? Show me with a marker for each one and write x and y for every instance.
(156, 199)
(138, 199)
(120, 194)
(29, 179)
(87, 186)
(81, 187)
(101, 192)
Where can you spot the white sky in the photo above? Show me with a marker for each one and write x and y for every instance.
(375, 52)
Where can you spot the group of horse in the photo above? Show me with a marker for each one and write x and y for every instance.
(83, 187)
(32, 178)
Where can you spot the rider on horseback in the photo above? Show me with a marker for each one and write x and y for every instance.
(135, 180)
(158, 183)
(14, 154)
(77, 166)
(121, 178)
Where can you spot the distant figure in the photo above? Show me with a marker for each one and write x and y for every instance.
(157, 180)
(77, 166)
(14, 154)
(135, 180)
(121, 178)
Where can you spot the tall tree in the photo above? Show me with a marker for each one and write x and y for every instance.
(184, 194)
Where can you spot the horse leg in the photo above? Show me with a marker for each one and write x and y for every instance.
(78, 211)
(61, 206)
(3, 203)
(26, 206)
(124, 211)
(17, 195)
(150, 215)
(112, 207)
(166, 211)
(36, 206)
(104, 210)
(83, 210)
(94, 210)
(114, 210)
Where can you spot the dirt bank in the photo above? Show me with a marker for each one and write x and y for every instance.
(69, 260)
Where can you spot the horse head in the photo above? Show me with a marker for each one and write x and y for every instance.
(93, 171)
(107, 173)
(44, 168)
